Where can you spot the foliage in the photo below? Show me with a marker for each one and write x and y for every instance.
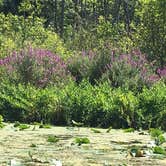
(27, 103)
(38, 67)
(157, 135)
(18, 32)
(152, 30)
(1, 119)
(23, 126)
(129, 130)
(52, 139)
(159, 150)
(81, 141)
(152, 104)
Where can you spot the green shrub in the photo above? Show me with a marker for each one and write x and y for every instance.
(27, 103)
(152, 102)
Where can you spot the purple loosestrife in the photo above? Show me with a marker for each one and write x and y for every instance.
(36, 66)
(130, 70)
(162, 72)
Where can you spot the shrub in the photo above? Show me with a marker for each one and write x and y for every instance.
(38, 67)
(153, 105)
(26, 103)
(100, 105)
(89, 65)
(131, 71)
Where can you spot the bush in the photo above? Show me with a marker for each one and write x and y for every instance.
(28, 103)
(38, 67)
(100, 105)
(88, 65)
(153, 105)
(130, 71)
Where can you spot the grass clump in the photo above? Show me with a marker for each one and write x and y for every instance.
(52, 139)
(129, 130)
(81, 141)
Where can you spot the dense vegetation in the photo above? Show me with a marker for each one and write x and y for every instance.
(98, 62)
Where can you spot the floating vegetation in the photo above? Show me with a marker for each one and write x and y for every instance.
(23, 126)
(129, 130)
(81, 141)
(95, 130)
(45, 126)
(52, 139)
